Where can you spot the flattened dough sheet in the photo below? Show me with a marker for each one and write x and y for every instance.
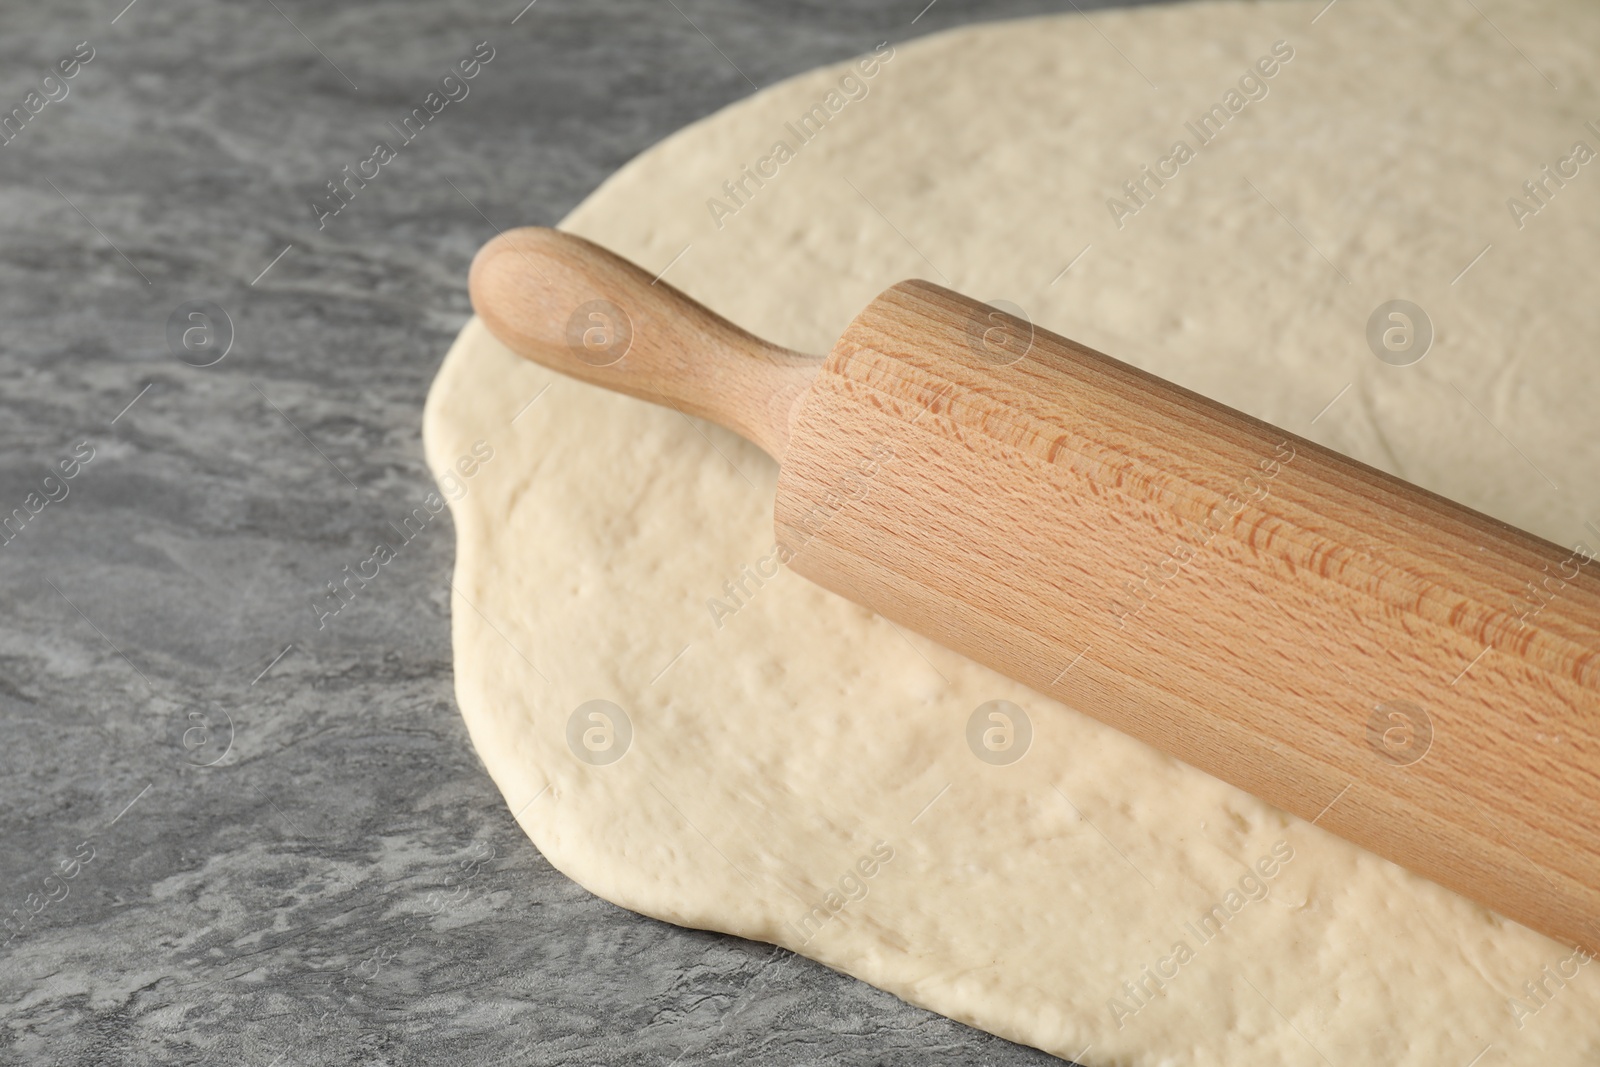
(798, 771)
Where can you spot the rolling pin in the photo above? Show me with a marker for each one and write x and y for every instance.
(1411, 675)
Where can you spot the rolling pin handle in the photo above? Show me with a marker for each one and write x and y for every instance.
(574, 307)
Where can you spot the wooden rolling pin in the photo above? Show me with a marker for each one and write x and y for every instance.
(1405, 672)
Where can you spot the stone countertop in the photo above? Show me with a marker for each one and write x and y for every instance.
(231, 836)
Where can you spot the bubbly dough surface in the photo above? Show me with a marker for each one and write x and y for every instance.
(798, 771)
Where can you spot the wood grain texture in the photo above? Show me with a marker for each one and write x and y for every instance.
(1349, 647)
(571, 305)
(1414, 676)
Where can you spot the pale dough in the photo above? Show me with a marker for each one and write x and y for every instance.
(779, 758)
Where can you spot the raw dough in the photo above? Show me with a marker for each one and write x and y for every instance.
(807, 759)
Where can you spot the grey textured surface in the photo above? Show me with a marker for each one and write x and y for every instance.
(294, 856)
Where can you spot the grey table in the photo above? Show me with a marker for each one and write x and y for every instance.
(232, 836)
